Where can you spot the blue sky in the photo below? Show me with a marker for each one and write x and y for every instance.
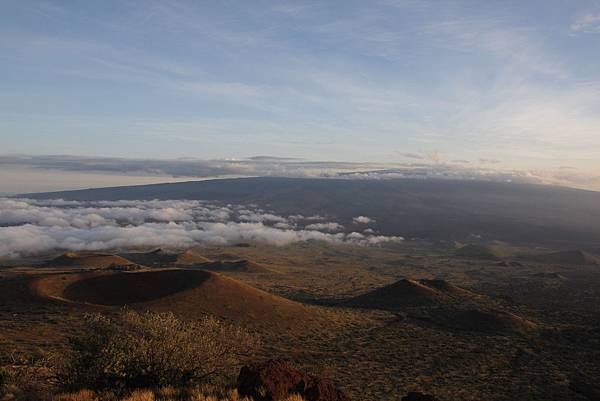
(497, 84)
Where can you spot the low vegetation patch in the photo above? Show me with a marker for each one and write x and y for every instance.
(4, 381)
(152, 350)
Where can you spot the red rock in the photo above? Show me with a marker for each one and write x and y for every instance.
(275, 379)
(418, 396)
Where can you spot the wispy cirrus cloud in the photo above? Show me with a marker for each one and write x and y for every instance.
(587, 23)
(516, 49)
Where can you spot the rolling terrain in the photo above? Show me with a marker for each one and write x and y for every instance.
(493, 293)
(380, 321)
(188, 293)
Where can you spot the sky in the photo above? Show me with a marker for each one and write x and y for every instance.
(470, 86)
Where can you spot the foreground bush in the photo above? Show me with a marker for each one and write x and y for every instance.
(151, 350)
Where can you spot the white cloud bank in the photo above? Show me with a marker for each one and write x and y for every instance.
(362, 220)
(587, 23)
(329, 227)
(34, 227)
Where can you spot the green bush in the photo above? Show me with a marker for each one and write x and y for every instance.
(153, 349)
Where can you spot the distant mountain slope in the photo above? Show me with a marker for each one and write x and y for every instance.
(435, 209)
(242, 265)
(485, 252)
(574, 257)
(162, 258)
(91, 260)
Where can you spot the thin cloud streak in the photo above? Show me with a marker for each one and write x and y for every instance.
(432, 165)
(588, 23)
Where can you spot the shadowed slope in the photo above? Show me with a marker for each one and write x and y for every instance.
(126, 289)
(53, 286)
(397, 295)
(574, 257)
(447, 288)
(486, 321)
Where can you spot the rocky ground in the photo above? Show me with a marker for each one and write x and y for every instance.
(383, 353)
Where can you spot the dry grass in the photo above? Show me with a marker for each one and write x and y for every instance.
(168, 394)
(83, 395)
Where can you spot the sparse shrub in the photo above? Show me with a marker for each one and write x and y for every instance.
(4, 381)
(150, 350)
(23, 383)
(141, 395)
(83, 395)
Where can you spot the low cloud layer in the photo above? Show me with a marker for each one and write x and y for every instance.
(35, 227)
(429, 165)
